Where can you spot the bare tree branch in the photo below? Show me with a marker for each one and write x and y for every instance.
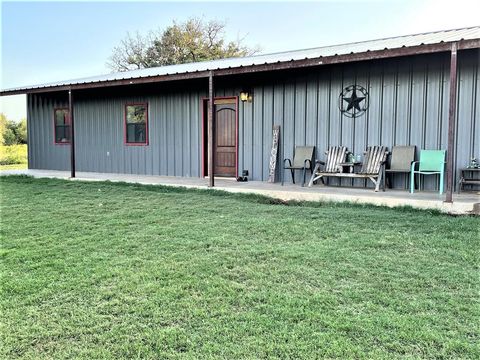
(189, 41)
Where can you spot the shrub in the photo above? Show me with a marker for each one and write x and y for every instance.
(13, 154)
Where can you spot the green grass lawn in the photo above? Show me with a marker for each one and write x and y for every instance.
(112, 271)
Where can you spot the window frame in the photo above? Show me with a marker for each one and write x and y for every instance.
(55, 126)
(125, 140)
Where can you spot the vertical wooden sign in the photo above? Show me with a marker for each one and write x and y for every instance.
(273, 154)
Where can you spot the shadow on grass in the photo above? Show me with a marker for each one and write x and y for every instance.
(252, 198)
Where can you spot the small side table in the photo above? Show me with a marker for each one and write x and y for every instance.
(468, 176)
(348, 166)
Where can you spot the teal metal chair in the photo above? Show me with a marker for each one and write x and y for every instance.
(432, 162)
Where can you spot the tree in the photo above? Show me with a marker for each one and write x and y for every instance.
(9, 137)
(3, 128)
(131, 54)
(191, 41)
(12, 133)
(22, 131)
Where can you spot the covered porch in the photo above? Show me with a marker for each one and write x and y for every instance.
(463, 204)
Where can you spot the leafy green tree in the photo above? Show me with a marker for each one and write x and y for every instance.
(3, 127)
(22, 131)
(191, 41)
(9, 137)
(11, 132)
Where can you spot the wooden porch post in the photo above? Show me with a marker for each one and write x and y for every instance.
(72, 134)
(452, 109)
(211, 181)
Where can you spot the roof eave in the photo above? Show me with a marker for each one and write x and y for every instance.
(285, 65)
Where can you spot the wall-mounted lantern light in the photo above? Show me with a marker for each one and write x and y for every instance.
(245, 96)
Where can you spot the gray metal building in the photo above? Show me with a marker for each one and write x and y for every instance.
(407, 80)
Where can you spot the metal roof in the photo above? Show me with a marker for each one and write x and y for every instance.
(444, 36)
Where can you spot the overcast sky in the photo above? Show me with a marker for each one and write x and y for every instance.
(50, 41)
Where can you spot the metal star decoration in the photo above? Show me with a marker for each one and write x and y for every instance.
(353, 101)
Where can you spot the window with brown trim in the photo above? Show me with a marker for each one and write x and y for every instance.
(62, 126)
(136, 124)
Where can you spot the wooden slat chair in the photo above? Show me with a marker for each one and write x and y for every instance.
(334, 156)
(373, 166)
(432, 162)
(303, 159)
(400, 162)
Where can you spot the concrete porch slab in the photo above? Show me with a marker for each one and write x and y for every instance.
(465, 203)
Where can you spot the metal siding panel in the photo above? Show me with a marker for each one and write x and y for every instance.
(37, 121)
(178, 144)
(278, 119)
(476, 124)
(115, 143)
(155, 134)
(312, 111)
(360, 135)
(257, 171)
(35, 130)
(29, 140)
(118, 145)
(374, 112)
(195, 148)
(433, 106)
(104, 162)
(42, 137)
(152, 139)
(163, 156)
(300, 113)
(389, 104)
(336, 88)
(171, 136)
(335, 128)
(46, 137)
(418, 124)
(31, 129)
(445, 106)
(404, 92)
(418, 104)
(81, 163)
(289, 125)
(347, 124)
(184, 119)
(267, 128)
(323, 118)
(465, 113)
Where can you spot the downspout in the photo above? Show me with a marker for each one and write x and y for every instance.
(452, 109)
(72, 134)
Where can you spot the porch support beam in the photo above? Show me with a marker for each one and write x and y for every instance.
(211, 180)
(452, 109)
(72, 134)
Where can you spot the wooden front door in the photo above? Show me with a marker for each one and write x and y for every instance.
(225, 141)
(225, 137)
